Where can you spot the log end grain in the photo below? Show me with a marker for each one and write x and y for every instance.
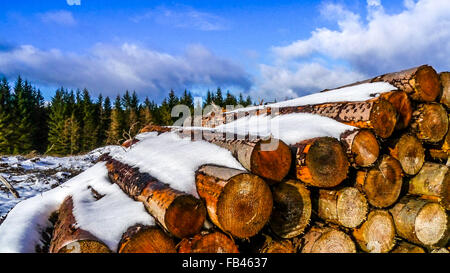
(405, 247)
(365, 148)
(431, 224)
(352, 207)
(185, 216)
(142, 239)
(215, 242)
(427, 84)
(410, 153)
(85, 246)
(327, 240)
(275, 246)
(402, 103)
(430, 122)
(445, 83)
(377, 234)
(271, 159)
(383, 118)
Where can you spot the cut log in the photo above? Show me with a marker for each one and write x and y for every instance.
(327, 240)
(292, 209)
(321, 162)
(445, 82)
(346, 207)
(68, 238)
(181, 214)
(146, 239)
(377, 233)
(433, 180)
(277, 246)
(430, 122)
(404, 247)
(207, 242)
(440, 250)
(381, 184)
(130, 142)
(421, 221)
(402, 104)
(361, 146)
(238, 202)
(409, 151)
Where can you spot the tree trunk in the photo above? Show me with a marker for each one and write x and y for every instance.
(430, 122)
(409, 151)
(327, 240)
(381, 184)
(404, 247)
(68, 238)
(377, 233)
(346, 207)
(361, 146)
(433, 180)
(146, 239)
(208, 242)
(421, 221)
(321, 162)
(238, 202)
(292, 209)
(179, 213)
(445, 82)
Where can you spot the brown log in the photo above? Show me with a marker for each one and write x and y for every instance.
(327, 240)
(277, 246)
(402, 104)
(321, 162)
(421, 221)
(238, 202)
(291, 209)
(361, 146)
(346, 207)
(404, 247)
(430, 122)
(409, 151)
(179, 213)
(208, 242)
(377, 233)
(130, 142)
(433, 180)
(445, 83)
(146, 239)
(68, 238)
(381, 184)
(441, 250)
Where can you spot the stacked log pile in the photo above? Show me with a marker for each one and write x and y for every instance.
(383, 187)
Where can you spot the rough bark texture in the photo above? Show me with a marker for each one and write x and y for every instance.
(346, 207)
(377, 233)
(404, 247)
(208, 242)
(421, 221)
(292, 209)
(68, 238)
(381, 184)
(445, 82)
(409, 151)
(321, 162)
(327, 240)
(238, 202)
(179, 213)
(432, 181)
(361, 146)
(146, 239)
(430, 122)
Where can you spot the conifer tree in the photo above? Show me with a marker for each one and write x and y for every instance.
(57, 124)
(23, 107)
(117, 123)
(6, 117)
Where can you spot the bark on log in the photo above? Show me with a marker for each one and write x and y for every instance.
(430, 122)
(327, 240)
(179, 213)
(381, 184)
(409, 151)
(277, 246)
(9, 187)
(377, 233)
(404, 247)
(433, 180)
(346, 207)
(238, 202)
(68, 238)
(421, 221)
(321, 162)
(207, 242)
(292, 209)
(146, 239)
(445, 83)
(361, 146)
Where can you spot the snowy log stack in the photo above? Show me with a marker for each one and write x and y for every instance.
(382, 186)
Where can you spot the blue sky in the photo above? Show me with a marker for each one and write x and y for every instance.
(268, 49)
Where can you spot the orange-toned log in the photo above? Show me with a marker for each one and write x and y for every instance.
(377, 233)
(445, 83)
(433, 180)
(146, 239)
(421, 221)
(441, 250)
(321, 162)
(346, 207)
(277, 246)
(291, 209)
(361, 146)
(68, 238)
(381, 184)
(402, 104)
(181, 214)
(409, 151)
(430, 122)
(327, 240)
(405, 247)
(208, 242)
(239, 203)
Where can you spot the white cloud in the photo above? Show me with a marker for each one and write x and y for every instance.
(73, 2)
(61, 17)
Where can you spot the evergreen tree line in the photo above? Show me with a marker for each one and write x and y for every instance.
(74, 122)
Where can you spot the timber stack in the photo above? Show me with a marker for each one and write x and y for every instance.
(383, 186)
